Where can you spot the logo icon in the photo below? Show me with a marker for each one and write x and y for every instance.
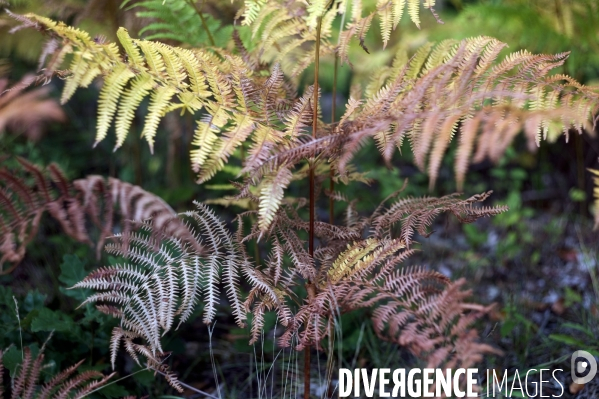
(579, 367)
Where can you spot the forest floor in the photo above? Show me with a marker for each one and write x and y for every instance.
(541, 273)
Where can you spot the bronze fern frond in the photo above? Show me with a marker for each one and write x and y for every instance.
(80, 207)
(27, 385)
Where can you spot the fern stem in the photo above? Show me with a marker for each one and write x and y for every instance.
(332, 168)
(314, 127)
(312, 191)
(199, 12)
(307, 372)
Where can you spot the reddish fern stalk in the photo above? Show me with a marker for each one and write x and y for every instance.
(312, 195)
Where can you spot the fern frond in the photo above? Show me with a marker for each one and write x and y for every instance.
(163, 280)
(232, 138)
(204, 138)
(353, 259)
(315, 9)
(418, 213)
(192, 68)
(460, 84)
(79, 67)
(397, 11)
(140, 87)
(130, 47)
(152, 56)
(385, 10)
(173, 78)
(271, 195)
(26, 384)
(109, 97)
(72, 205)
(300, 115)
(159, 103)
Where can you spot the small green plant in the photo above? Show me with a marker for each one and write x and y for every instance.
(518, 328)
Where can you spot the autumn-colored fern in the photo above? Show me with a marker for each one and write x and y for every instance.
(26, 383)
(247, 100)
(445, 90)
(413, 306)
(28, 193)
(27, 112)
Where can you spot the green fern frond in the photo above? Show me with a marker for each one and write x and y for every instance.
(173, 65)
(93, 72)
(175, 78)
(140, 87)
(417, 61)
(301, 114)
(134, 57)
(79, 67)
(462, 84)
(158, 106)
(179, 20)
(204, 138)
(109, 97)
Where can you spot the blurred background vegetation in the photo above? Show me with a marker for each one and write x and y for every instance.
(538, 261)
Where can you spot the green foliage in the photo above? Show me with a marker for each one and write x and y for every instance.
(518, 329)
(538, 25)
(579, 336)
(180, 20)
(75, 334)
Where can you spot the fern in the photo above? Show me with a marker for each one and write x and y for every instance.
(358, 272)
(429, 97)
(26, 384)
(163, 279)
(451, 91)
(27, 112)
(158, 284)
(178, 20)
(73, 204)
(139, 89)
(107, 104)
(425, 100)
